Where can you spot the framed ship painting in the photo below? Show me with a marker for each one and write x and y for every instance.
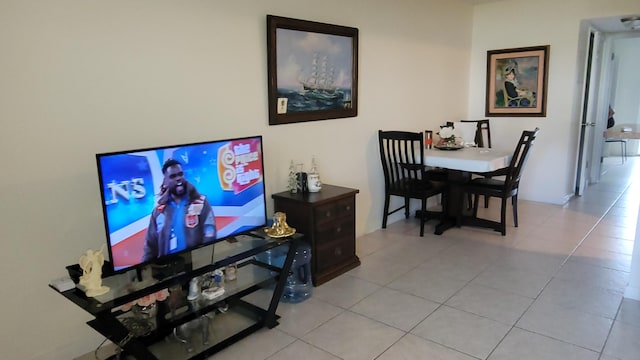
(312, 70)
(517, 81)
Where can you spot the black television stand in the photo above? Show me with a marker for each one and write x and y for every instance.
(177, 328)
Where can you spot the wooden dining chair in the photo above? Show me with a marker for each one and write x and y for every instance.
(482, 140)
(402, 158)
(507, 188)
(483, 132)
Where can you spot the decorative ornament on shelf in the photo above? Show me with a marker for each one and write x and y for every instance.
(91, 279)
(230, 272)
(313, 178)
(280, 228)
(301, 179)
(292, 182)
(145, 304)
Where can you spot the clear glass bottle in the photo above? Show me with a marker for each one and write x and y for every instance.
(292, 183)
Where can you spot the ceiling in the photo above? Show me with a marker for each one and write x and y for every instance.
(605, 24)
(611, 24)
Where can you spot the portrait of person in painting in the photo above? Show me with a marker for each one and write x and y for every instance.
(515, 94)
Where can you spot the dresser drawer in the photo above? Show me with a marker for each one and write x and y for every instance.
(332, 253)
(346, 207)
(339, 228)
(335, 210)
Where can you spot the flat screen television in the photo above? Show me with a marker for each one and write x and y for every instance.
(164, 201)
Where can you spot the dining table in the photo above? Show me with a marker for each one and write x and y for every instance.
(460, 164)
(623, 131)
(620, 134)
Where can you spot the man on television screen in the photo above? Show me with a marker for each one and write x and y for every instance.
(182, 219)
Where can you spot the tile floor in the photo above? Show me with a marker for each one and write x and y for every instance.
(551, 289)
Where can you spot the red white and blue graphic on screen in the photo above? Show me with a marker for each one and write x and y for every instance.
(229, 173)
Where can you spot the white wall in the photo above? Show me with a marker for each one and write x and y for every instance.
(627, 100)
(550, 172)
(83, 77)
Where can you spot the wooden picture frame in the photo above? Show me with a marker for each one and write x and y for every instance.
(517, 81)
(312, 70)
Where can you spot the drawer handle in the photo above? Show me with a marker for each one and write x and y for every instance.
(337, 251)
(339, 229)
(327, 214)
(348, 207)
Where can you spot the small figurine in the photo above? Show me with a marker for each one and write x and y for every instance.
(91, 279)
(230, 272)
(194, 289)
(280, 228)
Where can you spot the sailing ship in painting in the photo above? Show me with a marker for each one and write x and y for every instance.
(318, 89)
(321, 76)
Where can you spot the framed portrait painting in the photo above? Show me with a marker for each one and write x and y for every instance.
(517, 81)
(312, 70)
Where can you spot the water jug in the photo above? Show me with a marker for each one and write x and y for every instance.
(299, 286)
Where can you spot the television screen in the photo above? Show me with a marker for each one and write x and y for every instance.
(162, 201)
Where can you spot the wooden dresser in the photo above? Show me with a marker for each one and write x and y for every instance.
(328, 221)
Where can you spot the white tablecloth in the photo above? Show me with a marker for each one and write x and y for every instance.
(468, 159)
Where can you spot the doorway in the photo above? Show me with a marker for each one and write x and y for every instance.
(607, 47)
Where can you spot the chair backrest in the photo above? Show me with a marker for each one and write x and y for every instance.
(402, 157)
(519, 159)
(483, 132)
(467, 131)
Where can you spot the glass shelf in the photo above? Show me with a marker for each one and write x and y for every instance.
(126, 287)
(176, 328)
(202, 334)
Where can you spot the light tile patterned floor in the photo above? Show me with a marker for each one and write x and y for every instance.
(552, 289)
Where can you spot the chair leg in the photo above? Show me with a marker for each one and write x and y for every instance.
(423, 218)
(514, 204)
(385, 213)
(406, 208)
(503, 217)
(476, 198)
(486, 198)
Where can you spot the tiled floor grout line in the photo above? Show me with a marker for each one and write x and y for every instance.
(600, 354)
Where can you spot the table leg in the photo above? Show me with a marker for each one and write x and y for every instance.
(456, 202)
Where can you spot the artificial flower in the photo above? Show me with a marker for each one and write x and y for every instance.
(447, 134)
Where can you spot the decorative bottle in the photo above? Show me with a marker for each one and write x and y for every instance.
(292, 182)
(313, 179)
